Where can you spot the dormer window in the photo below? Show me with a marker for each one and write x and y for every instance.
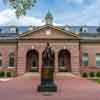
(84, 29)
(98, 29)
(67, 28)
(13, 29)
(30, 28)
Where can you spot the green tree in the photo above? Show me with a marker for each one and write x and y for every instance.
(21, 6)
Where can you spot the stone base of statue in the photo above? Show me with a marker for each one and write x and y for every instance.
(47, 82)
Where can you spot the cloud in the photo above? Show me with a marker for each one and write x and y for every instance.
(89, 15)
(8, 17)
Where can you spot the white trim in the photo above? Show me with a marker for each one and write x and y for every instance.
(11, 67)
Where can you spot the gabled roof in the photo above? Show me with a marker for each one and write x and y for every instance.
(50, 26)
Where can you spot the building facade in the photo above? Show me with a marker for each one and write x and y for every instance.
(74, 51)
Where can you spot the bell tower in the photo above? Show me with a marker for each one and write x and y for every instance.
(49, 18)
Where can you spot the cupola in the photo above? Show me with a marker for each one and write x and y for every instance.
(49, 18)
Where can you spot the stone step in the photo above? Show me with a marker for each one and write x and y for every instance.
(29, 76)
(37, 75)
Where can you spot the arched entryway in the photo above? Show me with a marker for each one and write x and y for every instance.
(52, 62)
(64, 61)
(32, 62)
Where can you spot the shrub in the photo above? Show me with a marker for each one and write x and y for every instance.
(84, 74)
(98, 74)
(8, 74)
(92, 74)
(2, 74)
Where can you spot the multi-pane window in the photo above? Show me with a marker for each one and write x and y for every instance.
(11, 60)
(98, 59)
(85, 59)
(0, 59)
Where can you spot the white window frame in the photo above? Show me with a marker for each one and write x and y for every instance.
(97, 60)
(85, 58)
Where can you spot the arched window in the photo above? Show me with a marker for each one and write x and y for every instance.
(11, 59)
(32, 62)
(64, 61)
(0, 59)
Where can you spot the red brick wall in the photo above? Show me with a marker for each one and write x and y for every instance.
(5, 50)
(91, 49)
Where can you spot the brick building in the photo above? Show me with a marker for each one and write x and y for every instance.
(76, 48)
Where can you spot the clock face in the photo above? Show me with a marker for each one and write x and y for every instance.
(48, 32)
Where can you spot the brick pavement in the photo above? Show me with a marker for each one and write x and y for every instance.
(69, 88)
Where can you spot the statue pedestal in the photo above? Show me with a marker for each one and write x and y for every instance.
(47, 80)
(47, 88)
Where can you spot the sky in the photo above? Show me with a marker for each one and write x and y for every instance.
(65, 12)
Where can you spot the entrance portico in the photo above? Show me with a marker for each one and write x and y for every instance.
(65, 47)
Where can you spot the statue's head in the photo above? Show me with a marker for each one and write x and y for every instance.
(48, 44)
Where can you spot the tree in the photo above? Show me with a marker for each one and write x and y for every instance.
(21, 6)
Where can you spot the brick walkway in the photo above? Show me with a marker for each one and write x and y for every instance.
(69, 88)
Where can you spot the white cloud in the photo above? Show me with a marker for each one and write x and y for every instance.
(8, 17)
(90, 15)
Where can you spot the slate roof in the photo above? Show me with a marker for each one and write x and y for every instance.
(5, 33)
(6, 29)
(91, 29)
(8, 36)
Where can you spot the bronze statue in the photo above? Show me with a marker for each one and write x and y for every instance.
(48, 56)
(47, 72)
